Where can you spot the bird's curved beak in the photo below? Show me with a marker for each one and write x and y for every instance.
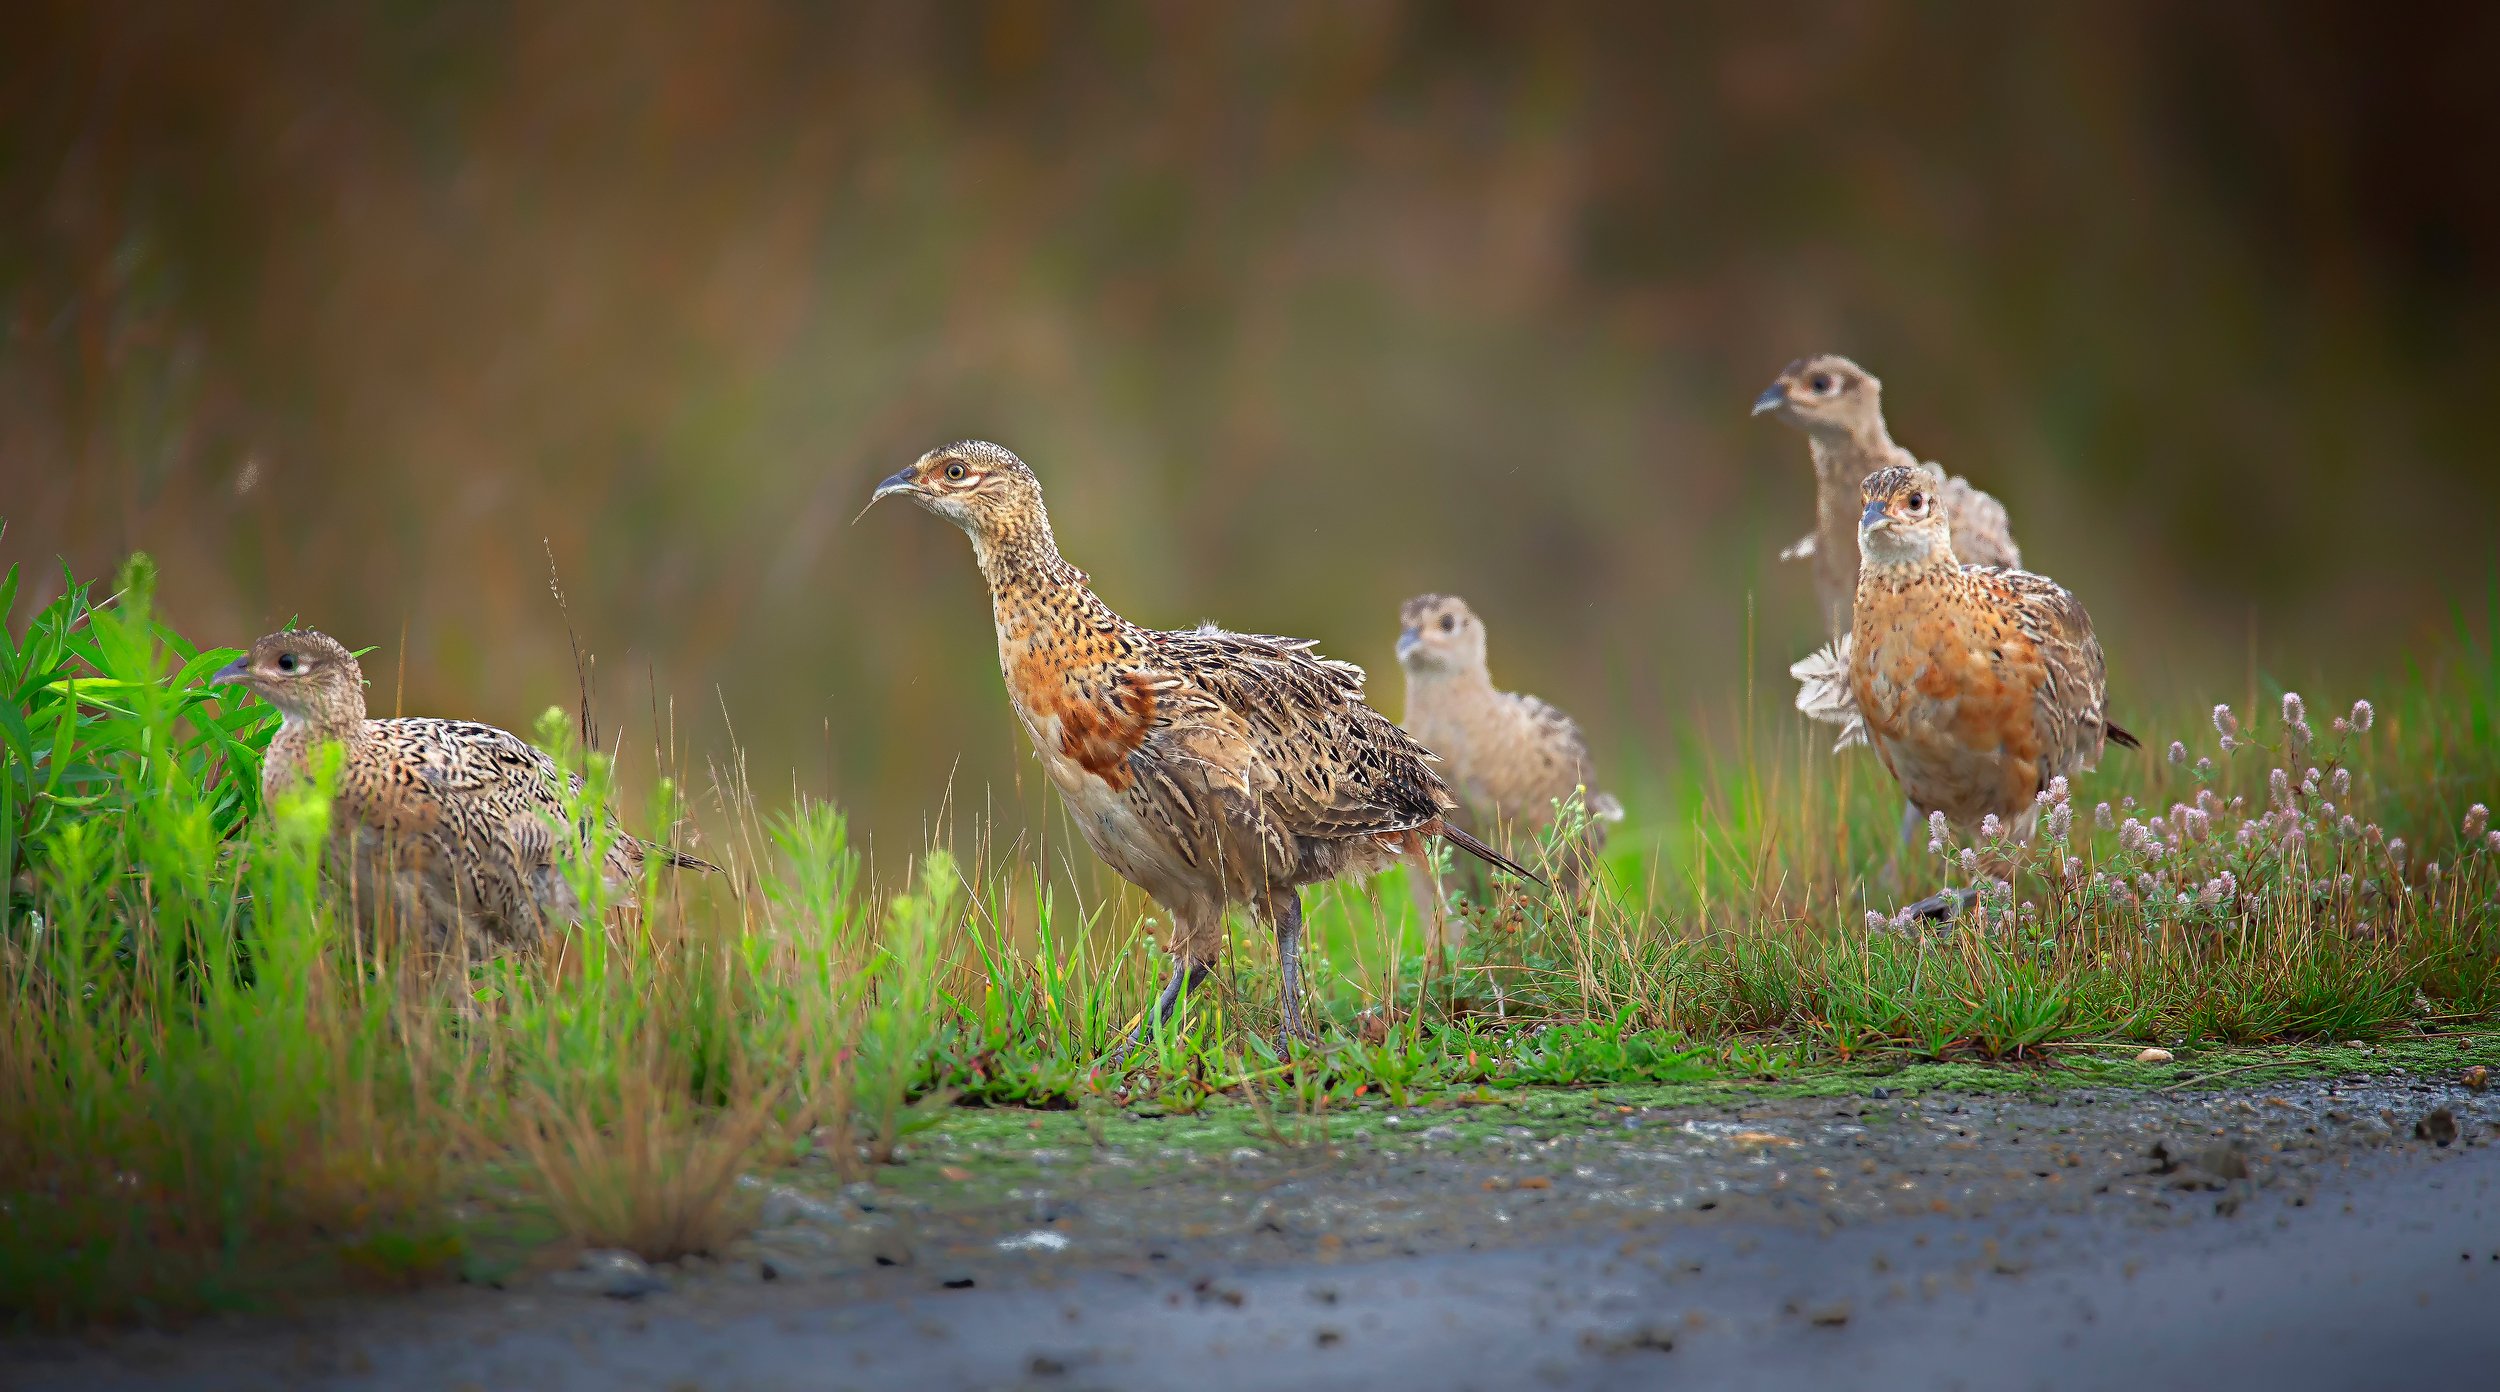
(1409, 639)
(239, 670)
(1773, 397)
(900, 481)
(1874, 519)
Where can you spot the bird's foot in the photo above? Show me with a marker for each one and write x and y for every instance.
(1944, 904)
(1296, 1032)
(1295, 1029)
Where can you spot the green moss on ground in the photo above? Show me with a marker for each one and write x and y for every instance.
(982, 1154)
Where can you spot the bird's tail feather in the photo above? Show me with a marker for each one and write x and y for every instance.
(678, 859)
(1467, 842)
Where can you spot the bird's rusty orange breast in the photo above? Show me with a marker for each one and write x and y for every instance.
(1100, 715)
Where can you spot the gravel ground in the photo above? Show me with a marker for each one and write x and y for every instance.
(2313, 1234)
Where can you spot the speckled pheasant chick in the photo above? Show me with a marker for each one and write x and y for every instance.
(445, 829)
(1510, 757)
(1208, 768)
(1978, 685)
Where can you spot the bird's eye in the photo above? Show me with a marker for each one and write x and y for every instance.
(955, 472)
(287, 662)
(1822, 384)
(1449, 623)
(1918, 502)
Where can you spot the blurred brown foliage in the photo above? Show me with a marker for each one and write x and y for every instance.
(343, 309)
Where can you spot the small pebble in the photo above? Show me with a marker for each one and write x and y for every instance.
(2439, 1127)
(2153, 1056)
(784, 1206)
(612, 1272)
(1655, 1338)
(2478, 1077)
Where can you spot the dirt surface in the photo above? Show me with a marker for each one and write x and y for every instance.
(2309, 1234)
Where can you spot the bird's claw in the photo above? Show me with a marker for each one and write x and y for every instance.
(1943, 905)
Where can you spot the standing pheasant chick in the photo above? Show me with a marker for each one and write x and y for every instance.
(1978, 685)
(1510, 757)
(443, 828)
(1207, 768)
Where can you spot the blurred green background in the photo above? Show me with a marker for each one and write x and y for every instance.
(351, 311)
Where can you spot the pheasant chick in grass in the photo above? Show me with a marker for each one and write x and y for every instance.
(1208, 768)
(445, 829)
(1978, 685)
(1511, 758)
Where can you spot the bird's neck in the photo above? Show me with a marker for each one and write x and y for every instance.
(1847, 458)
(1841, 464)
(1033, 589)
(1449, 683)
(299, 733)
(1893, 573)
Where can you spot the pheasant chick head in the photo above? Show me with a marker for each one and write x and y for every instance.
(1827, 396)
(307, 675)
(980, 487)
(1902, 524)
(1439, 635)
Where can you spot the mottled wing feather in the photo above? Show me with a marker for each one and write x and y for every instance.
(495, 785)
(1560, 753)
(1982, 533)
(2070, 676)
(1334, 767)
(1200, 775)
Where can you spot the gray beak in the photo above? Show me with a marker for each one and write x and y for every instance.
(1874, 517)
(1409, 639)
(233, 672)
(1773, 397)
(900, 481)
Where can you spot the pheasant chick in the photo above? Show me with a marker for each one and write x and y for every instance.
(446, 829)
(1978, 685)
(1511, 758)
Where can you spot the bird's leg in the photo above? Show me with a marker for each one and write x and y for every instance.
(1185, 978)
(1186, 975)
(1893, 863)
(1287, 911)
